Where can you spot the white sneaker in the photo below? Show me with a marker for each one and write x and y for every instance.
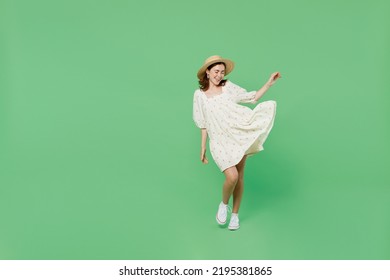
(234, 222)
(222, 213)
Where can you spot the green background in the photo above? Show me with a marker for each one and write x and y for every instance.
(99, 154)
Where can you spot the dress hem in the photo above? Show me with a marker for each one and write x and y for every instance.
(260, 147)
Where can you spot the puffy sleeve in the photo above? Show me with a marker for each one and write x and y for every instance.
(197, 112)
(241, 95)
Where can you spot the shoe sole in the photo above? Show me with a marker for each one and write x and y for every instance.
(219, 222)
(234, 228)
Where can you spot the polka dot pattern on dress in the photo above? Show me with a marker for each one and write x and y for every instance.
(234, 130)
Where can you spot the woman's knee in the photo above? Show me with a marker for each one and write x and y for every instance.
(232, 176)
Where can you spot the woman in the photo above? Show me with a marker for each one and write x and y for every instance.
(235, 131)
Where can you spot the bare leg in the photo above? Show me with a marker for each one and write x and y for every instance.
(239, 189)
(231, 178)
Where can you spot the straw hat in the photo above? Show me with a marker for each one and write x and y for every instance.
(213, 59)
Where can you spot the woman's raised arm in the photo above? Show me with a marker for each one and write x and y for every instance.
(267, 85)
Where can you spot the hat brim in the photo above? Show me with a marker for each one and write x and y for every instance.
(228, 63)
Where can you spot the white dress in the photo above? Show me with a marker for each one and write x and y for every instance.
(234, 130)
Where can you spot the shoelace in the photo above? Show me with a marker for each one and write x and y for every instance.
(234, 219)
(226, 209)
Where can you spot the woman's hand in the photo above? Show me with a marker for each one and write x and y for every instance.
(203, 157)
(273, 78)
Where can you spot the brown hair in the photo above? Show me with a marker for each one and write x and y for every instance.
(204, 82)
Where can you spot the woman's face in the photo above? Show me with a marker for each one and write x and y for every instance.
(216, 74)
